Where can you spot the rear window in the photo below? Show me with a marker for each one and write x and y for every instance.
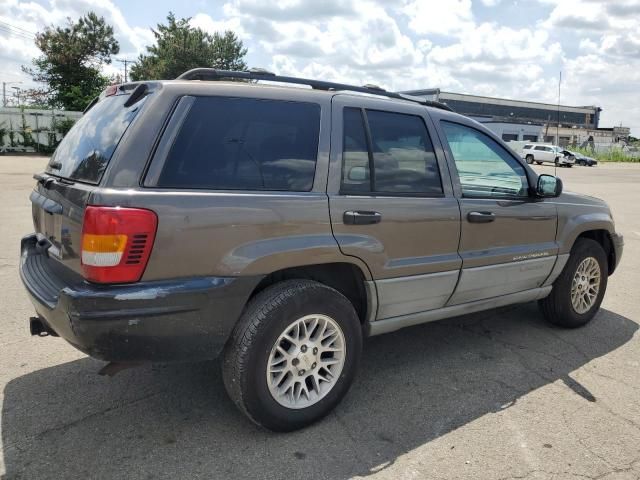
(228, 143)
(85, 151)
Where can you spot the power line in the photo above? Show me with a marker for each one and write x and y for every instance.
(17, 28)
(16, 33)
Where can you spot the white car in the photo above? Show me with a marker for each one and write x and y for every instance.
(547, 153)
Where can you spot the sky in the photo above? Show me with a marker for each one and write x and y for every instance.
(512, 49)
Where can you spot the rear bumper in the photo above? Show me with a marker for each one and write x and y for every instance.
(172, 320)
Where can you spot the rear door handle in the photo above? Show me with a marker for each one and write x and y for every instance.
(481, 217)
(361, 217)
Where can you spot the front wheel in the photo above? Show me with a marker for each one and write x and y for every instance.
(578, 291)
(529, 159)
(293, 355)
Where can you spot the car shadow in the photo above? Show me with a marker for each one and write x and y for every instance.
(175, 421)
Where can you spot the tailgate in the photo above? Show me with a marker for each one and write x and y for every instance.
(76, 168)
(58, 209)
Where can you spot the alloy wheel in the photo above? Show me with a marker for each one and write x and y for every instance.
(585, 285)
(306, 361)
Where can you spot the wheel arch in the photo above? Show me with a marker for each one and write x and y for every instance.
(602, 237)
(347, 278)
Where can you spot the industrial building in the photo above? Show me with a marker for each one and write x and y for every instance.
(516, 120)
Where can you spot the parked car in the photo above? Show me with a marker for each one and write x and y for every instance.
(547, 153)
(278, 226)
(582, 159)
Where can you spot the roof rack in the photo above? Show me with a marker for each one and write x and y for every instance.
(261, 74)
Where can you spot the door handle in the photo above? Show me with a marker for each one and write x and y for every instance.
(360, 217)
(481, 217)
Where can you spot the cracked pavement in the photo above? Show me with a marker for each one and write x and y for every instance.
(495, 395)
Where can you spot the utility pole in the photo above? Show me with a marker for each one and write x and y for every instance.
(17, 89)
(558, 124)
(125, 62)
(4, 92)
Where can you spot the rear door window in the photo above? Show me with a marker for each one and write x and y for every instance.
(228, 143)
(401, 153)
(85, 151)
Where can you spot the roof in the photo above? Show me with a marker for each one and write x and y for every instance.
(208, 74)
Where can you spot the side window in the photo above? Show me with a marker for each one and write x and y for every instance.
(485, 168)
(228, 143)
(404, 161)
(355, 154)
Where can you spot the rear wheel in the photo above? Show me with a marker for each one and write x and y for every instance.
(582, 163)
(578, 291)
(529, 159)
(293, 354)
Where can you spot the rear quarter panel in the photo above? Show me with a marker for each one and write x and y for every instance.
(225, 233)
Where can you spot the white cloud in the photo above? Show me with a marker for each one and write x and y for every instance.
(606, 69)
(443, 17)
(402, 44)
(208, 24)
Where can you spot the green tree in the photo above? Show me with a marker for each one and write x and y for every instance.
(180, 47)
(71, 61)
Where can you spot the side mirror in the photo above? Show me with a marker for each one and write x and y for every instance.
(548, 186)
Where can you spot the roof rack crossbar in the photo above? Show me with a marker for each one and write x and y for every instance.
(258, 74)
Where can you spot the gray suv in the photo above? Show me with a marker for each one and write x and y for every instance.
(279, 226)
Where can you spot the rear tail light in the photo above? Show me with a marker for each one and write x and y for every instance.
(116, 243)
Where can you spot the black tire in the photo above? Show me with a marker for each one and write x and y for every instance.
(265, 318)
(539, 163)
(557, 307)
(529, 159)
(582, 163)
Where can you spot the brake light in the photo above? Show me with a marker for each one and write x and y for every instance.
(116, 243)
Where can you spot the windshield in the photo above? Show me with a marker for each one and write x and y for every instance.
(85, 151)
